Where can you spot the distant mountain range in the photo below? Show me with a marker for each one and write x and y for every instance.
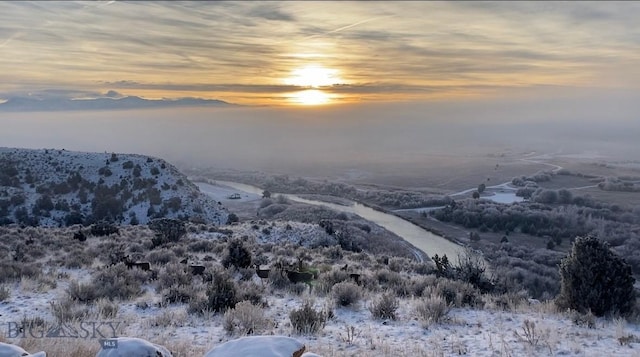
(25, 104)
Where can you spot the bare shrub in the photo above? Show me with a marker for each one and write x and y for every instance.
(531, 334)
(587, 319)
(388, 279)
(30, 323)
(81, 292)
(278, 279)
(397, 264)
(168, 319)
(162, 256)
(432, 310)
(246, 274)
(297, 288)
(418, 285)
(78, 258)
(252, 292)
(471, 269)
(107, 309)
(201, 246)
(329, 279)
(510, 300)
(12, 271)
(458, 293)
(173, 275)
(118, 282)
(350, 335)
(245, 319)
(198, 305)
(67, 310)
(385, 307)
(424, 268)
(307, 320)
(5, 293)
(346, 294)
(68, 347)
(178, 294)
(402, 288)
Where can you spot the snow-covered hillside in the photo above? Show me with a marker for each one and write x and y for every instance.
(58, 188)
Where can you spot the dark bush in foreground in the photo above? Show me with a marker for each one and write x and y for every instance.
(221, 293)
(596, 279)
(167, 230)
(237, 255)
(469, 269)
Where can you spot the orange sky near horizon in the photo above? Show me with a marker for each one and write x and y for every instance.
(315, 53)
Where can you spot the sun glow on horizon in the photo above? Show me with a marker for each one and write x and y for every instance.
(310, 97)
(313, 76)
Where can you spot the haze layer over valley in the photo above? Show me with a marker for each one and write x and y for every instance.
(415, 139)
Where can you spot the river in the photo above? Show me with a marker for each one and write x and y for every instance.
(420, 238)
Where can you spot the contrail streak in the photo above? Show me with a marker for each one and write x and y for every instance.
(11, 38)
(341, 28)
(348, 26)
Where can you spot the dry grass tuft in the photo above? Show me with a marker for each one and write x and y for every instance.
(432, 310)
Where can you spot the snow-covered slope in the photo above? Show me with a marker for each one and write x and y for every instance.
(58, 188)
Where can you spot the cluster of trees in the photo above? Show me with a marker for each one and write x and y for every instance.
(9, 173)
(541, 176)
(538, 218)
(553, 222)
(533, 218)
(619, 184)
(520, 267)
(591, 278)
(562, 196)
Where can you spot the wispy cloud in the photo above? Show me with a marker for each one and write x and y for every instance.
(238, 48)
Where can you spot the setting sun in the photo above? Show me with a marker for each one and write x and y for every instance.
(310, 97)
(313, 76)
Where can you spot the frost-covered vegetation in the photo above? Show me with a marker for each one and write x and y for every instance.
(62, 188)
(392, 301)
(558, 223)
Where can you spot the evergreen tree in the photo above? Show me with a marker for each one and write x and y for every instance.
(594, 278)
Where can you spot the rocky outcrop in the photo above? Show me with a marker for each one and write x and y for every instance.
(8, 350)
(259, 346)
(131, 347)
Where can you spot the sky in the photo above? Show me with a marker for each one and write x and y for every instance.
(382, 86)
(308, 53)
